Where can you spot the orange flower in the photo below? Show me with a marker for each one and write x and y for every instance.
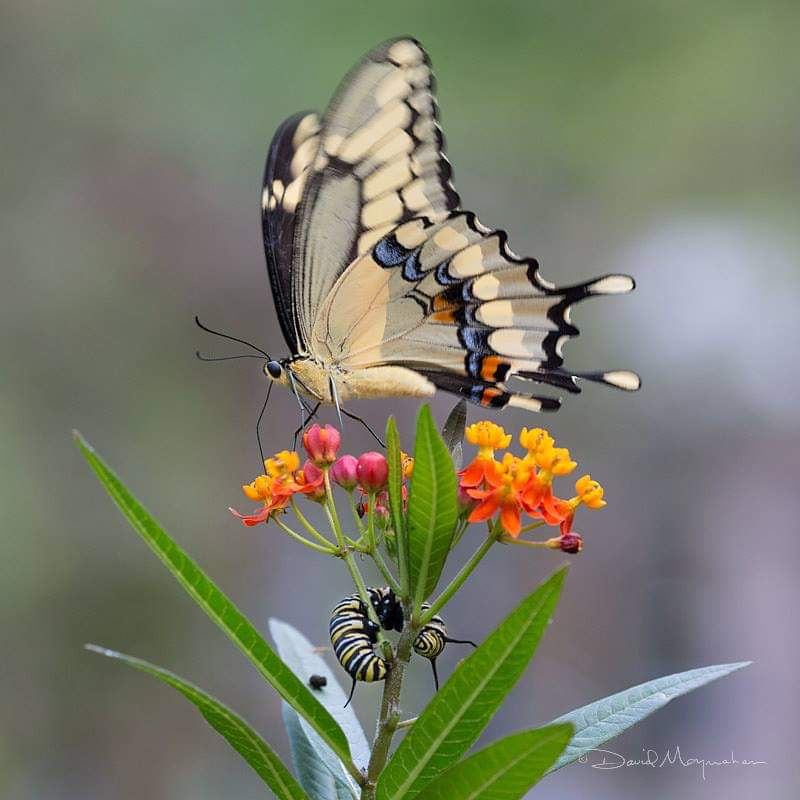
(284, 479)
(487, 437)
(263, 488)
(507, 482)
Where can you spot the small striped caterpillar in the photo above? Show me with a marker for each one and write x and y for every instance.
(354, 635)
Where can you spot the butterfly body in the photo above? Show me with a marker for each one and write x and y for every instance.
(383, 285)
(313, 379)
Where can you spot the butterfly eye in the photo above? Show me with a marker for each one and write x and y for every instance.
(274, 369)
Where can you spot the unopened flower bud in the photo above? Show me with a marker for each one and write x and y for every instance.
(312, 476)
(322, 444)
(344, 472)
(567, 543)
(372, 471)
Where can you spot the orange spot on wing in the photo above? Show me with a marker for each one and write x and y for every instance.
(489, 394)
(489, 367)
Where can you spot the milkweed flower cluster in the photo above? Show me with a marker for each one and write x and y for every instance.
(284, 477)
(499, 487)
(516, 485)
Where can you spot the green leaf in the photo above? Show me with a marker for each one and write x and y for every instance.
(453, 431)
(218, 607)
(504, 770)
(432, 508)
(298, 653)
(604, 719)
(239, 735)
(313, 775)
(455, 716)
(395, 461)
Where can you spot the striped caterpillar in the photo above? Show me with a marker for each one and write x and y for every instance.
(354, 635)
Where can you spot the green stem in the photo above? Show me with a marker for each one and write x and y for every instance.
(308, 526)
(533, 526)
(347, 555)
(459, 532)
(390, 712)
(506, 539)
(459, 579)
(371, 523)
(328, 551)
(384, 569)
(354, 510)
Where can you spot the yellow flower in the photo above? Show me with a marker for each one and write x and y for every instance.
(282, 464)
(487, 437)
(407, 463)
(536, 440)
(590, 492)
(555, 461)
(259, 489)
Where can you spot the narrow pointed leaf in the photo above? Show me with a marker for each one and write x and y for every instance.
(604, 719)
(298, 653)
(453, 431)
(218, 607)
(394, 458)
(504, 770)
(313, 775)
(432, 508)
(462, 708)
(239, 735)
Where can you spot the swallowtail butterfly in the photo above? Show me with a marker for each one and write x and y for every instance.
(383, 285)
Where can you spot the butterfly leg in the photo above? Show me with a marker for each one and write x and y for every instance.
(365, 424)
(299, 399)
(258, 422)
(312, 412)
(335, 396)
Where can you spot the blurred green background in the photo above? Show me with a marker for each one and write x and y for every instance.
(656, 138)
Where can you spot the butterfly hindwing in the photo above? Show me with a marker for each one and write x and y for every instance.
(451, 301)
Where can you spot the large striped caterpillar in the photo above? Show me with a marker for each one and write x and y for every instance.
(354, 635)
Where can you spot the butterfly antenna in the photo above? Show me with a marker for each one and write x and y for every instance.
(225, 358)
(227, 336)
(352, 689)
(365, 424)
(258, 422)
(335, 396)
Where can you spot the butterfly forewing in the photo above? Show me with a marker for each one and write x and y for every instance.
(291, 154)
(380, 162)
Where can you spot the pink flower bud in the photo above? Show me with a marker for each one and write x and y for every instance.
(314, 482)
(322, 444)
(571, 542)
(372, 471)
(344, 472)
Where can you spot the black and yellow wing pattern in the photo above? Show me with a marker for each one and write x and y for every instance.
(373, 263)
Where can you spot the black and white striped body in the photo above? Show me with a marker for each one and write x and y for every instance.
(354, 635)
